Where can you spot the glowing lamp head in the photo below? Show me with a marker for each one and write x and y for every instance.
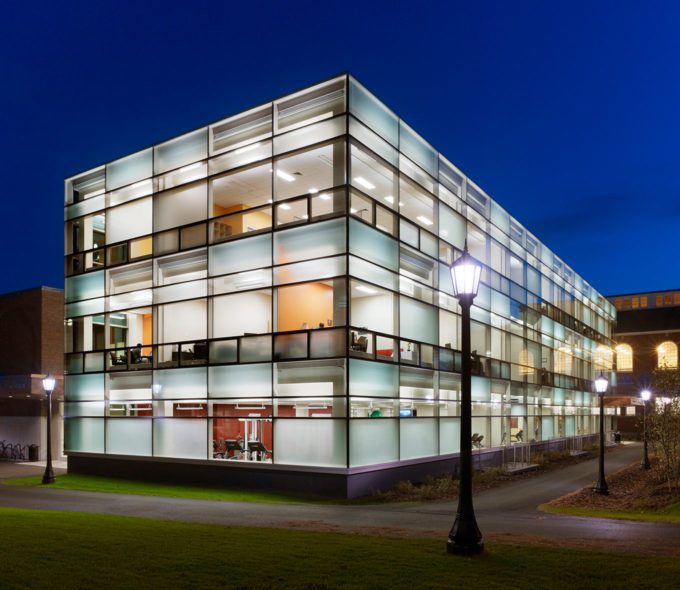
(465, 274)
(601, 384)
(48, 383)
(645, 394)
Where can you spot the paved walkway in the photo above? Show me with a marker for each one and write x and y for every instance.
(507, 512)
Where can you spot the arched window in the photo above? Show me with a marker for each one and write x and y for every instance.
(603, 358)
(526, 362)
(667, 355)
(624, 358)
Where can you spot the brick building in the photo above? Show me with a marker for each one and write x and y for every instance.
(647, 337)
(31, 345)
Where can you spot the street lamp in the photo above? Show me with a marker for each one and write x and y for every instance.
(601, 385)
(645, 394)
(48, 384)
(465, 537)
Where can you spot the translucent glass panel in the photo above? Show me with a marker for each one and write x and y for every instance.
(373, 245)
(418, 321)
(180, 206)
(85, 186)
(85, 286)
(247, 128)
(449, 435)
(418, 437)
(84, 387)
(240, 381)
(129, 221)
(180, 268)
(241, 313)
(417, 149)
(312, 441)
(241, 255)
(181, 151)
(128, 436)
(415, 204)
(132, 277)
(361, 269)
(311, 105)
(84, 435)
(313, 241)
(374, 113)
(129, 386)
(313, 269)
(181, 438)
(452, 226)
(242, 281)
(129, 169)
(242, 189)
(308, 171)
(373, 379)
(374, 177)
(310, 135)
(180, 383)
(373, 441)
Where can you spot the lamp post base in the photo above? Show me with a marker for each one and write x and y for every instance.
(645, 465)
(471, 548)
(601, 488)
(48, 476)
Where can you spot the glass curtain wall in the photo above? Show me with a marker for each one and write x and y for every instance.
(275, 288)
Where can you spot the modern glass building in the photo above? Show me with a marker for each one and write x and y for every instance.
(271, 293)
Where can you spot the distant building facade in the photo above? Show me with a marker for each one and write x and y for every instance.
(647, 337)
(31, 346)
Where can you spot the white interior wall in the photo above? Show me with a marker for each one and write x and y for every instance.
(374, 313)
(242, 313)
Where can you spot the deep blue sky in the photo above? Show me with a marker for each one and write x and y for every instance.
(568, 114)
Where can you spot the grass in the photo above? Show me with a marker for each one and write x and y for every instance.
(45, 549)
(668, 514)
(94, 483)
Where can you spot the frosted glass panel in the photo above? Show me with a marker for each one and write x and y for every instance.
(449, 435)
(130, 169)
(310, 441)
(371, 379)
(311, 241)
(418, 321)
(83, 409)
(128, 436)
(310, 135)
(452, 226)
(184, 438)
(371, 111)
(85, 286)
(418, 437)
(83, 387)
(372, 273)
(373, 142)
(241, 255)
(309, 270)
(88, 307)
(416, 148)
(84, 434)
(180, 383)
(181, 206)
(241, 313)
(241, 381)
(181, 291)
(373, 245)
(181, 151)
(481, 389)
(129, 221)
(373, 441)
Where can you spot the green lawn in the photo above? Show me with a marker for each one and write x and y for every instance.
(93, 483)
(669, 514)
(44, 549)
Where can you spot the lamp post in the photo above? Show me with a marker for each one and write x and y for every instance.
(601, 486)
(645, 395)
(48, 384)
(465, 537)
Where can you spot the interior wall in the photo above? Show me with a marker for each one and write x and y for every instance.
(374, 312)
(305, 304)
(241, 313)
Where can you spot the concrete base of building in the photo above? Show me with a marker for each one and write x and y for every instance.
(316, 481)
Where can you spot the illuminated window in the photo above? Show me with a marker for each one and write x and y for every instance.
(667, 354)
(676, 298)
(563, 360)
(636, 302)
(643, 301)
(603, 358)
(526, 362)
(659, 300)
(624, 358)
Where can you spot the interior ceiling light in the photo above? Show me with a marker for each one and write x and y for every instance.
(284, 206)
(389, 199)
(287, 177)
(247, 148)
(313, 191)
(424, 220)
(365, 289)
(363, 182)
(325, 196)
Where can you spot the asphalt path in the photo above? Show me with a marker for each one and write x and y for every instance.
(504, 513)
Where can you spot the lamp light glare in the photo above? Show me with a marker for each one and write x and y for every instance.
(601, 384)
(48, 383)
(645, 394)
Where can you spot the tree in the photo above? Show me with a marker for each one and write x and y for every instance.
(664, 424)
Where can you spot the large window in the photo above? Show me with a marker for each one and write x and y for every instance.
(624, 358)
(667, 355)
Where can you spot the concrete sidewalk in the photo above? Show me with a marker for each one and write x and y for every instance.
(505, 512)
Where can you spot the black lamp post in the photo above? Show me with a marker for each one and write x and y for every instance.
(48, 384)
(465, 537)
(601, 486)
(645, 395)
